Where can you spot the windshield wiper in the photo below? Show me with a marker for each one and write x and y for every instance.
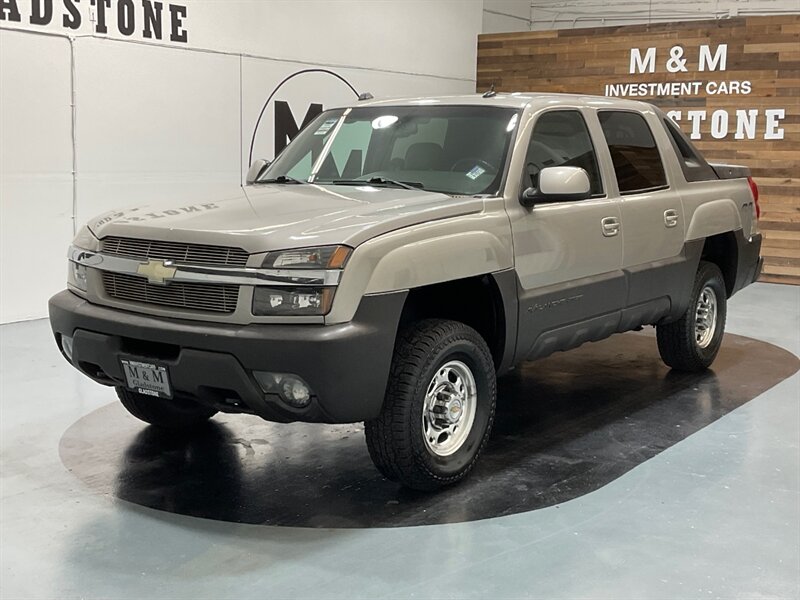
(281, 179)
(408, 185)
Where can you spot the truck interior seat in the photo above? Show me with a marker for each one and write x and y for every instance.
(424, 156)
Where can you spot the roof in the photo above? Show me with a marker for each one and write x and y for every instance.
(503, 99)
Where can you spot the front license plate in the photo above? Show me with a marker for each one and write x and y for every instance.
(147, 378)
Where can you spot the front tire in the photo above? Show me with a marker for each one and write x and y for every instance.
(692, 342)
(439, 406)
(165, 413)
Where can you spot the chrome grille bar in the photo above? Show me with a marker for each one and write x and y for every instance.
(180, 273)
(193, 296)
(179, 252)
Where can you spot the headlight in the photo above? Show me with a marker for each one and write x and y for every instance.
(312, 300)
(76, 273)
(76, 276)
(288, 301)
(324, 257)
(85, 239)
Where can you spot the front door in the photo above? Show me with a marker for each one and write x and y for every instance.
(568, 255)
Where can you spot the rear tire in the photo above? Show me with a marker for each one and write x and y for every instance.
(439, 406)
(163, 412)
(692, 342)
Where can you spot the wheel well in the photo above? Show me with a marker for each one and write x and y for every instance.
(475, 301)
(722, 250)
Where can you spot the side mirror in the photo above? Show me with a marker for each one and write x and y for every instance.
(558, 184)
(256, 169)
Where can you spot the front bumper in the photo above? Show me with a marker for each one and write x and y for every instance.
(346, 365)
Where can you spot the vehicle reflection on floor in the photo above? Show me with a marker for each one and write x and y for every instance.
(565, 426)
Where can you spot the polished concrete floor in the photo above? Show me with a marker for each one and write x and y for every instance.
(622, 481)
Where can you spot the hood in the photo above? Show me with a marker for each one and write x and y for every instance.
(273, 217)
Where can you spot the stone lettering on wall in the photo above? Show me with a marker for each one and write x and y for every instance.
(741, 123)
(147, 19)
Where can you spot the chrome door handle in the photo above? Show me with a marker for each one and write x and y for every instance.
(670, 217)
(610, 226)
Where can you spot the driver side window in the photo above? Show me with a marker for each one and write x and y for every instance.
(561, 138)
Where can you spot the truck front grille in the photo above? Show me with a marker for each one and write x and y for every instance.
(195, 254)
(192, 296)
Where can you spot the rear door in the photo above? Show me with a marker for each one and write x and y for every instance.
(568, 255)
(652, 215)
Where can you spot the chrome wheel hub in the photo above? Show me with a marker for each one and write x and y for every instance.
(449, 410)
(454, 411)
(705, 317)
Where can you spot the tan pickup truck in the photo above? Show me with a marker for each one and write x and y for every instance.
(398, 255)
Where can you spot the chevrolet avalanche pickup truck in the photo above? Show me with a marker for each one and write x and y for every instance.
(398, 255)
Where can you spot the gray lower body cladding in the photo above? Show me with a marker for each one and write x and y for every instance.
(566, 315)
(346, 365)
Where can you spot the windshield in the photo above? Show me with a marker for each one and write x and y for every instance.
(457, 150)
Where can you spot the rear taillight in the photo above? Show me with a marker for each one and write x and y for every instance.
(754, 191)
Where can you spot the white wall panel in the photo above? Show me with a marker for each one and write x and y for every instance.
(506, 15)
(35, 171)
(153, 123)
(435, 37)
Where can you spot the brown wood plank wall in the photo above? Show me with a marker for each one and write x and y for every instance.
(762, 50)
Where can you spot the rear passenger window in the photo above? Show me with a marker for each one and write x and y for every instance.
(561, 138)
(694, 166)
(634, 152)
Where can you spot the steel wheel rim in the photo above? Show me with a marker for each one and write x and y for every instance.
(449, 411)
(705, 317)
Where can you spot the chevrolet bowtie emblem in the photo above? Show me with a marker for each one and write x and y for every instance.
(157, 271)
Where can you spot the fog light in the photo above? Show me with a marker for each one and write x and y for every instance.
(66, 346)
(291, 388)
